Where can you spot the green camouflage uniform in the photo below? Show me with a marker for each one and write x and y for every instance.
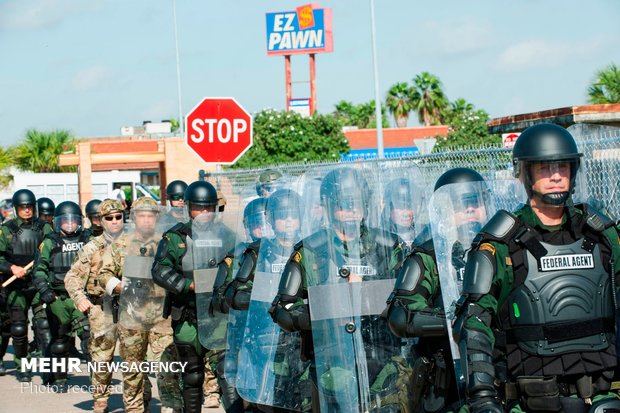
(62, 313)
(134, 343)
(395, 371)
(82, 283)
(20, 294)
(485, 316)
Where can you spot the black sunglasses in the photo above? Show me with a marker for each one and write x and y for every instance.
(113, 217)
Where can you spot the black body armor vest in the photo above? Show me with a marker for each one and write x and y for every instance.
(64, 251)
(25, 241)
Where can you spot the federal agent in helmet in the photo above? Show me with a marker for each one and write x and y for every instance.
(189, 258)
(269, 371)
(56, 254)
(255, 219)
(175, 191)
(175, 207)
(45, 207)
(539, 284)
(415, 307)
(333, 290)
(19, 239)
(92, 213)
(83, 286)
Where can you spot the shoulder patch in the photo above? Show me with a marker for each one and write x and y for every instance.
(486, 246)
(296, 257)
(182, 245)
(41, 248)
(228, 261)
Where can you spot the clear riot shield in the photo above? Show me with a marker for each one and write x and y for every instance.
(350, 270)
(270, 370)
(458, 212)
(405, 202)
(599, 185)
(251, 226)
(208, 246)
(169, 217)
(141, 301)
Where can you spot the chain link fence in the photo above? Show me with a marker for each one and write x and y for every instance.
(599, 144)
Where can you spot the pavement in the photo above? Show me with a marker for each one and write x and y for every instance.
(35, 398)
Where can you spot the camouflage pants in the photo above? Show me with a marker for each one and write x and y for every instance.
(101, 348)
(210, 384)
(136, 385)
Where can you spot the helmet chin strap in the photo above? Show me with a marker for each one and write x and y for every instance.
(553, 198)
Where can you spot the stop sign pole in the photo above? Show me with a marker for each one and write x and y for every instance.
(219, 130)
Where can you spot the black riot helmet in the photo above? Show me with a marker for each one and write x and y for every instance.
(267, 182)
(254, 218)
(24, 197)
(467, 192)
(545, 143)
(285, 204)
(68, 218)
(45, 206)
(92, 207)
(175, 190)
(345, 189)
(399, 194)
(457, 176)
(200, 193)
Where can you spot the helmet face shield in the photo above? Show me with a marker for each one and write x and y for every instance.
(68, 223)
(552, 182)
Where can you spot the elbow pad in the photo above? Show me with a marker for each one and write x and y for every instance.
(291, 280)
(289, 319)
(424, 323)
(218, 302)
(241, 299)
(168, 278)
(479, 272)
(247, 266)
(222, 273)
(40, 284)
(409, 276)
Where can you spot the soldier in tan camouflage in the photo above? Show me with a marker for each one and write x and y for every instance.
(84, 289)
(140, 320)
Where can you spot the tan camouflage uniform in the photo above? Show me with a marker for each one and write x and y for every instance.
(82, 283)
(134, 342)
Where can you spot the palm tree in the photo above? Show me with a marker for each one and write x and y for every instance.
(39, 151)
(606, 87)
(428, 99)
(456, 108)
(398, 103)
(5, 164)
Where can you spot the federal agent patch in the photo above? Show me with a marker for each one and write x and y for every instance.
(487, 247)
(182, 245)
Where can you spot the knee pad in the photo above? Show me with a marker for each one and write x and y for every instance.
(60, 347)
(19, 329)
(194, 378)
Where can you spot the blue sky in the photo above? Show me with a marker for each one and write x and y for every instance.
(94, 66)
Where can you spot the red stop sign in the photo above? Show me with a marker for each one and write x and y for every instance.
(219, 130)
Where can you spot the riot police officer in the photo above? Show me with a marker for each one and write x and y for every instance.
(45, 208)
(92, 213)
(265, 349)
(537, 314)
(400, 200)
(56, 254)
(415, 309)
(19, 239)
(333, 290)
(186, 264)
(174, 205)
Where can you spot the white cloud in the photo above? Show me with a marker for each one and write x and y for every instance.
(89, 78)
(544, 54)
(39, 14)
(465, 35)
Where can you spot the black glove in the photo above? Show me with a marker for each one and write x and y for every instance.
(486, 404)
(48, 296)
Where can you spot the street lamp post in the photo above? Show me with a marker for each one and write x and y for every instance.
(378, 117)
(176, 46)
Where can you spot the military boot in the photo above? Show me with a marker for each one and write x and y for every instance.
(24, 376)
